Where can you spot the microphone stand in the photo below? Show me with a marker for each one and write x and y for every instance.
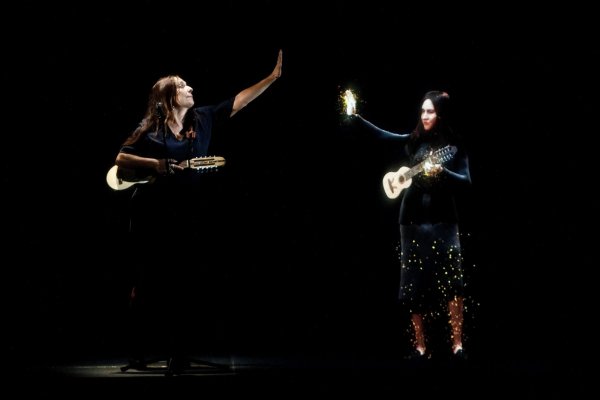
(162, 122)
(177, 363)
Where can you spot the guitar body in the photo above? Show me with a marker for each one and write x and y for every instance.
(395, 182)
(123, 178)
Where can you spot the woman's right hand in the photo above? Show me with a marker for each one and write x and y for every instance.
(164, 166)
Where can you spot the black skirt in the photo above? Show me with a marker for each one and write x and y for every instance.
(431, 272)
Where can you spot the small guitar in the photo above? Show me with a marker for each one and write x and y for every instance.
(396, 181)
(123, 178)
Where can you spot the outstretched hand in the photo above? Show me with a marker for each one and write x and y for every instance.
(277, 70)
(249, 94)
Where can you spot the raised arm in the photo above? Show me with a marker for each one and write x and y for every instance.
(243, 98)
(382, 133)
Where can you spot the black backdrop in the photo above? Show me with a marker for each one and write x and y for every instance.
(307, 235)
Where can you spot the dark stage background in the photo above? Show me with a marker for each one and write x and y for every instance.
(306, 236)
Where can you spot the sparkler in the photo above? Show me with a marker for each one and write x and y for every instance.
(349, 101)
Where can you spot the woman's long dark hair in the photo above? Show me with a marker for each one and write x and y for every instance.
(442, 130)
(162, 100)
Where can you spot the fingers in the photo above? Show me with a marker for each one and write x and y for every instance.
(170, 166)
(279, 64)
(174, 166)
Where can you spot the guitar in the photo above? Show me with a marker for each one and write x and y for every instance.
(119, 178)
(396, 181)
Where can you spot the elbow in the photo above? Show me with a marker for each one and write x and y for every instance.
(120, 159)
(238, 103)
(465, 182)
(463, 179)
(467, 178)
(234, 110)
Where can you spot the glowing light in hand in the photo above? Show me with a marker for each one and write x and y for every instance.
(349, 102)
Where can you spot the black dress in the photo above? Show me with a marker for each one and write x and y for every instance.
(171, 224)
(431, 260)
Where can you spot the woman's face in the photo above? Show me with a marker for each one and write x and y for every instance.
(428, 115)
(184, 94)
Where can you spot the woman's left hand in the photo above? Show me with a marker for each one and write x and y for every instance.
(278, 67)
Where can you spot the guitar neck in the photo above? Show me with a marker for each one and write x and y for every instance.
(414, 170)
(439, 153)
(123, 178)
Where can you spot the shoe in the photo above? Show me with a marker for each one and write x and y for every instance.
(460, 355)
(416, 355)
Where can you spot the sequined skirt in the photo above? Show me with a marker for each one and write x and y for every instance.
(431, 266)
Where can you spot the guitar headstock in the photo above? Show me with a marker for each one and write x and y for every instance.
(201, 163)
(444, 154)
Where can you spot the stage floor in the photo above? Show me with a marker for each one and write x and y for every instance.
(285, 377)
